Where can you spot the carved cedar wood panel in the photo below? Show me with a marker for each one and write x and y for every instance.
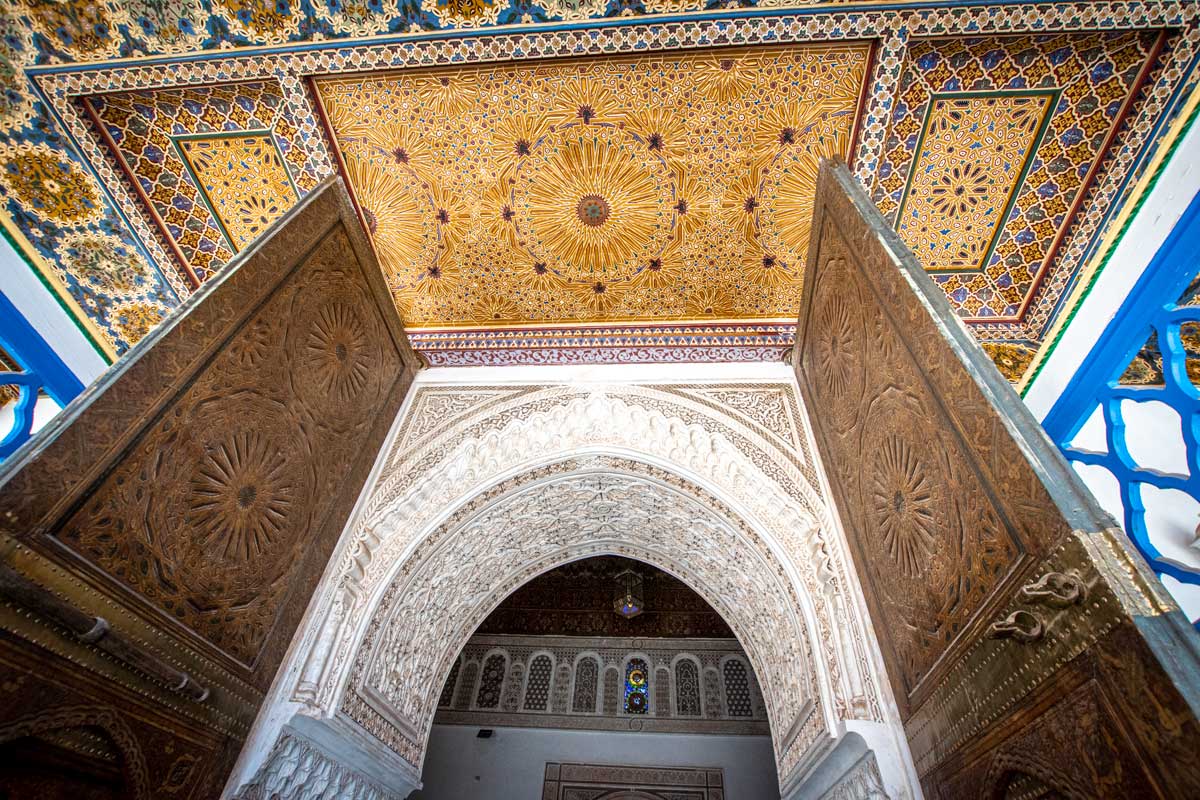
(193, 497)
(986, 566)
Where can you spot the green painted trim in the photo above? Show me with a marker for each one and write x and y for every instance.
(200, 137)
(1112, 248)
(1053, 95)
(91, 339)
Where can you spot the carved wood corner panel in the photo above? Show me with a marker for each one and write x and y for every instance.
(1029, 648)
(924, 518)
(194, 496)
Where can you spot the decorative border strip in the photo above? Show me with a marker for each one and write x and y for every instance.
(59, 86)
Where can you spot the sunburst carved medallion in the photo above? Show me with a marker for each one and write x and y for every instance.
(837, 351)
(241, 495)
(903, 499)
(335, 353)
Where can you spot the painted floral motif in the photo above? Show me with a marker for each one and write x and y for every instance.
(134, 320)
(104, 262)
(16, 45)
(1011, 359)
(42, 182)
(81, 29)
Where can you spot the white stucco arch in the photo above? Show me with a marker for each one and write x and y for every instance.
(454, 446)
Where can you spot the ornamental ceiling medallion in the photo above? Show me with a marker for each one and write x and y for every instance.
(663, 187)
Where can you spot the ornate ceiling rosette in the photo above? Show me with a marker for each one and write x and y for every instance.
(584, 192)
(593, 205)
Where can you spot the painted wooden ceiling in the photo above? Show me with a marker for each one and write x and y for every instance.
(609, 189)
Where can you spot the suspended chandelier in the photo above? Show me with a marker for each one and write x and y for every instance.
(628, 598)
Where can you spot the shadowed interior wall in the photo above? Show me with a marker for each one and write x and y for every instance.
(511, 764)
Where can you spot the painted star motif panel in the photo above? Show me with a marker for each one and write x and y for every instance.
(1095, 77)
(661, 187)
(973, 153)
(243, 180)
(150, 132)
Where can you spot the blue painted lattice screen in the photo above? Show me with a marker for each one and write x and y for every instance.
(1146, 365)
(32, 368)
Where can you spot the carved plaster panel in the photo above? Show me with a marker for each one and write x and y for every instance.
(297, 770)
(732, 461)
(520, 530)
(726, 450)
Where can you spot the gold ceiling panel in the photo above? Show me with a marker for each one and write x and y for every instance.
(664, 187)
(243, 180)
(973, 153)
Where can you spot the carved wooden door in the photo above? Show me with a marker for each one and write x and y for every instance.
(159, 544)
(1030, 650)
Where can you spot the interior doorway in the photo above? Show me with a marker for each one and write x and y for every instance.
(610, 661)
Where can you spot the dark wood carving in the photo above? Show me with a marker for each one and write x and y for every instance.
(1028, 647)
(192, 499)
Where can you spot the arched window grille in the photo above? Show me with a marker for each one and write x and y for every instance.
(737, 689)
(537, 687)
(687, 688)
(491, 681)
(587, 672)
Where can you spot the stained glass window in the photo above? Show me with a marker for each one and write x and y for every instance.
(637, 687)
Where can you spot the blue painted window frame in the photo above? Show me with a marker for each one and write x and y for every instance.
(40, 370)
(1151, 304)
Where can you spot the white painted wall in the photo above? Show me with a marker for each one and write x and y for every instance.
(41, 309)
(511, 764)
(1154, 430)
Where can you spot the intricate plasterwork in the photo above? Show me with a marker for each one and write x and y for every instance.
(861, 782)
(715, 458)
(299, 771)
(536, 521)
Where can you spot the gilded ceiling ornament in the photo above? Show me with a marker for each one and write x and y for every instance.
(588, 191)
(592, 204)
(977, 149)
(104, 262)
(1011, 359)
(46, 184)
(244, 181)
(136, 318)
(398, 212)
